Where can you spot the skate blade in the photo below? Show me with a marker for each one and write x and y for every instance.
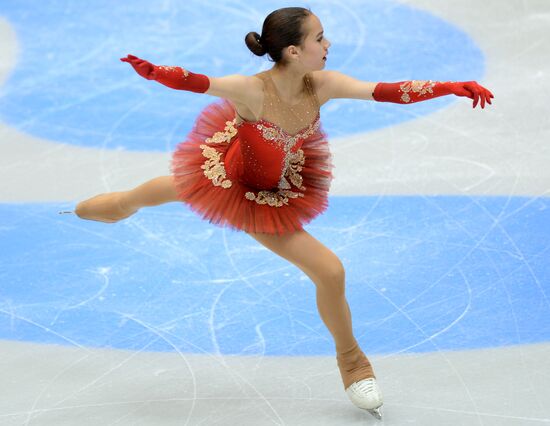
(376, 413)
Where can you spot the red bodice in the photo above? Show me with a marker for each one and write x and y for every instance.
(257, 176)
(262, 153)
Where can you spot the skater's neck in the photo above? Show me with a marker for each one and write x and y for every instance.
(289, 82)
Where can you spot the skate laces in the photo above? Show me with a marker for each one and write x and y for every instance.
(365, 392)
(366, 386)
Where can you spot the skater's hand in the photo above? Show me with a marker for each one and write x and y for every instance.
(143, 68)
(473, 91)
(171, 76)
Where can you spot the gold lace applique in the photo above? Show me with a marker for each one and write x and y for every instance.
(214, 168)
(164, 67)
(293, 167)
(225, 135)
(417, 86)
(273, 199)
(282, 138)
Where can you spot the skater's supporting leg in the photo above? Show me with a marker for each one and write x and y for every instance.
(327, 272)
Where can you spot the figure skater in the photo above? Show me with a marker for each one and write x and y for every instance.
(258, 161)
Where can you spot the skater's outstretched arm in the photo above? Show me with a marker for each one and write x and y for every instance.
(339, 85)
(233, 87)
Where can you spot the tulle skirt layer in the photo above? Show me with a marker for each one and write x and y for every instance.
(202, 180)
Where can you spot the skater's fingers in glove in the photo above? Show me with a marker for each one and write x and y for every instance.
(475, 96)
(128, 58)
(489, 96)
(474, 88)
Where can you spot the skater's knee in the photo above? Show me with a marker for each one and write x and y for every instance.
(327, 272)
(330, 275)
(318, 262)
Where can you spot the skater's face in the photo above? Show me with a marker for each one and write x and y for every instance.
(314, 51)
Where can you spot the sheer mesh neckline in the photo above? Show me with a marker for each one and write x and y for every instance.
(291, 120)
(279, 93)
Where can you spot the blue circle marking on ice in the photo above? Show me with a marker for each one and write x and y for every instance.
(69, 85)
(423, 274)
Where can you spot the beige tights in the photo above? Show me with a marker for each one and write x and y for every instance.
(114, 206)
(327, 272)
(323, 267)
(354, 366)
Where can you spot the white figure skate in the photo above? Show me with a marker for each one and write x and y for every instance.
(365, 394)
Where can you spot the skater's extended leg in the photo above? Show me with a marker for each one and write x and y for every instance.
(114, 206)
(154, 192)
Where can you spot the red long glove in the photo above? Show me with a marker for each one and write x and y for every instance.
(405, 92)
(174, 77)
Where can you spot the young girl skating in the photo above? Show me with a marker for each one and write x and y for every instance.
(258, 161)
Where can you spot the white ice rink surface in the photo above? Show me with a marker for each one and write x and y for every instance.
(49, 385)
(501, 150)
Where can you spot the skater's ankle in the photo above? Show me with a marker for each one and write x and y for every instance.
(342, 350)
(354, 366)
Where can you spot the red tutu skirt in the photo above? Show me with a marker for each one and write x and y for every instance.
(228, 205)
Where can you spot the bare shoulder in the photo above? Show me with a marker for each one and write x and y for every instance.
(240, 89)
(331, 84)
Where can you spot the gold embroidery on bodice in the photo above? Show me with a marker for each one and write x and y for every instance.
(282, 124)
(285, 125)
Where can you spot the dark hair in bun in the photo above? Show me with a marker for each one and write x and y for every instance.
(253, 41)
(281, 28)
